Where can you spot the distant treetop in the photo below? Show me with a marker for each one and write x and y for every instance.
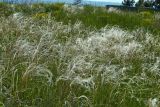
(76, 2)
(128, 2)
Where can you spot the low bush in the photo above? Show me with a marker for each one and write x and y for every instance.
(5, 9)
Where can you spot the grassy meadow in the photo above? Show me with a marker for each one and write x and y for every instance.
(58, 55)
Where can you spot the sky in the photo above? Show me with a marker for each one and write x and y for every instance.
(119, 1)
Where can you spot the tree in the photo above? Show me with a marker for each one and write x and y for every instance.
(157, 4)
(76, 2)
(128, 2)
(140, 3)
(149, 3)
(157, 1)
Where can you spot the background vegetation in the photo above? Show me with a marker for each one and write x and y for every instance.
(90, 16)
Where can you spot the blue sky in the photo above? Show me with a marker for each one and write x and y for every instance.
(119, 1)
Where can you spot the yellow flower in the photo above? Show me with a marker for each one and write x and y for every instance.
(145, 14)
(40, 16)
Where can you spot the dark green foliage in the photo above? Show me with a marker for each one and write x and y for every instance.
(25, 9)
(90, 16)
(139, 3)
(157, 1)
(53, 7)
(148, 3)
(77, 2)
(5, 9)
(128, 2)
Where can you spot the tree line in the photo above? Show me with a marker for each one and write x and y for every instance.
(142, 3)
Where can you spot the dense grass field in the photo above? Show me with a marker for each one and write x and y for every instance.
(56, 55)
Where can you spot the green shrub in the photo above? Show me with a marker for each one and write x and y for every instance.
(146, 14)
(38, 8)
(88, 9)
(5, 9)
(53, 7)
(147, 22)
(25, 9)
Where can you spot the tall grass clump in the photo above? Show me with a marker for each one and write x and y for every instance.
(44, 62)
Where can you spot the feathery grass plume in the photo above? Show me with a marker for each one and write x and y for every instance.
(73, 9)
(113, 10)
(127, 50)
(17, 16)
(2, 69)
(157, 16)
(153, 102)
(155, 68)
(39, 71)
(25, 48)
(87, 83)
(83, 100)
